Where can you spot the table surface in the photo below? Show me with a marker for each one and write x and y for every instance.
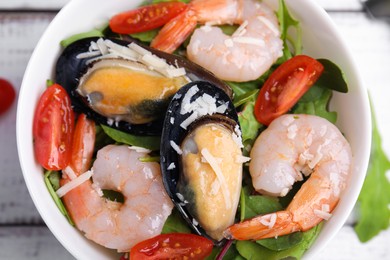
(23, 234)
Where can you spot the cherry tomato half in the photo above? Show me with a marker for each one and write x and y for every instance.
(53, 128)
(7, 95)
(83, 144)
(146, 18)
(286, 86)
(172, 246)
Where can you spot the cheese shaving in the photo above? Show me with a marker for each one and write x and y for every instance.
(74, 183)
(218, 172)
(176, 147)
(322, 214)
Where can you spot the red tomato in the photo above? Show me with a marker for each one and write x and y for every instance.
(82, 145)
(7, 95)
(286, 86)
(146, 18)
(172, 246)
(53, 128)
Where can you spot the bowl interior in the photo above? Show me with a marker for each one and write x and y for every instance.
(320, 40)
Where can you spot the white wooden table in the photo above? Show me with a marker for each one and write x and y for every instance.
(23, 235)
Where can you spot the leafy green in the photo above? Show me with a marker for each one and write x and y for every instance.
(247, 97)
(147, 36)
(315, 102)
(113, 195)
(52, 182)
(148, 142)
(285, 22)
(253, 251)
(281, 243)
(175, 224)
(332, 77)
(374, 199)
(94, 33)
(249, 125)
(231, 254)
(253, 205)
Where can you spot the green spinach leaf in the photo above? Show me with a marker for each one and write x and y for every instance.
(286, 23)
(94, 33)
(148, 142)
(175, 224)
(52, 182)
(332, 77)
(374, 199)
(315, 102)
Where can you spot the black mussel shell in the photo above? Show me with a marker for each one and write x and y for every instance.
(69, 70)
(172, 131)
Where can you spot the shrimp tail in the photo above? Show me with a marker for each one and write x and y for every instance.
(175, 32)
(265, 226)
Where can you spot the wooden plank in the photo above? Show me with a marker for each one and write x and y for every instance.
(32, 243)
(32, 4)
(19, 34)
(340, 5)
(330, 5)
(36, 243)
(346, 245)
(369, 42)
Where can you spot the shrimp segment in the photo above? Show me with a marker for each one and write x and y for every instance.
(174, 33)
(120, 225)
(291, 147)
(244, 56)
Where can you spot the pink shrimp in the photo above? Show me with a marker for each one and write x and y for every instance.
(120, 225)
(243, 56)
(292, 146)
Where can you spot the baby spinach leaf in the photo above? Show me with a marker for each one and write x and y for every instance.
(93, 33)
(244, 98)
(148, 142)
(285, 22)
(374, 199)
(316, 106)
(52, 182)
(249, 125)
(253, 205)
(332, 77)
(145, 37)
(231, 254)
(252, 250)
(175, 224)
(281, 243)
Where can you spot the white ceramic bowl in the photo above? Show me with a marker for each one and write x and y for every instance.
(320, 40)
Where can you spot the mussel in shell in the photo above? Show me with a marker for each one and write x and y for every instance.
(124, 84)
(201, 158)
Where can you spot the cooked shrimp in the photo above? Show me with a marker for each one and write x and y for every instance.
(293, 146)
(245, 55)
(120, 225)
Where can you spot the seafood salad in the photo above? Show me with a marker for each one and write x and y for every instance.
(194, 129)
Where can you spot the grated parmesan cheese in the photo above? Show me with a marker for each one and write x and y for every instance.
(269, 24)
(249, 40)
(218, 172)
(68, 171)
(268, 220)
(322, 214)
(171, 166)
(139, 149)
(74, 183)
(176, 147)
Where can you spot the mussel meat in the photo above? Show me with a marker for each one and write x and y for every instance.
(124, 84)
(201, 158)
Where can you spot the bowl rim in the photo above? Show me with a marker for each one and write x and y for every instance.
(51, 220)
